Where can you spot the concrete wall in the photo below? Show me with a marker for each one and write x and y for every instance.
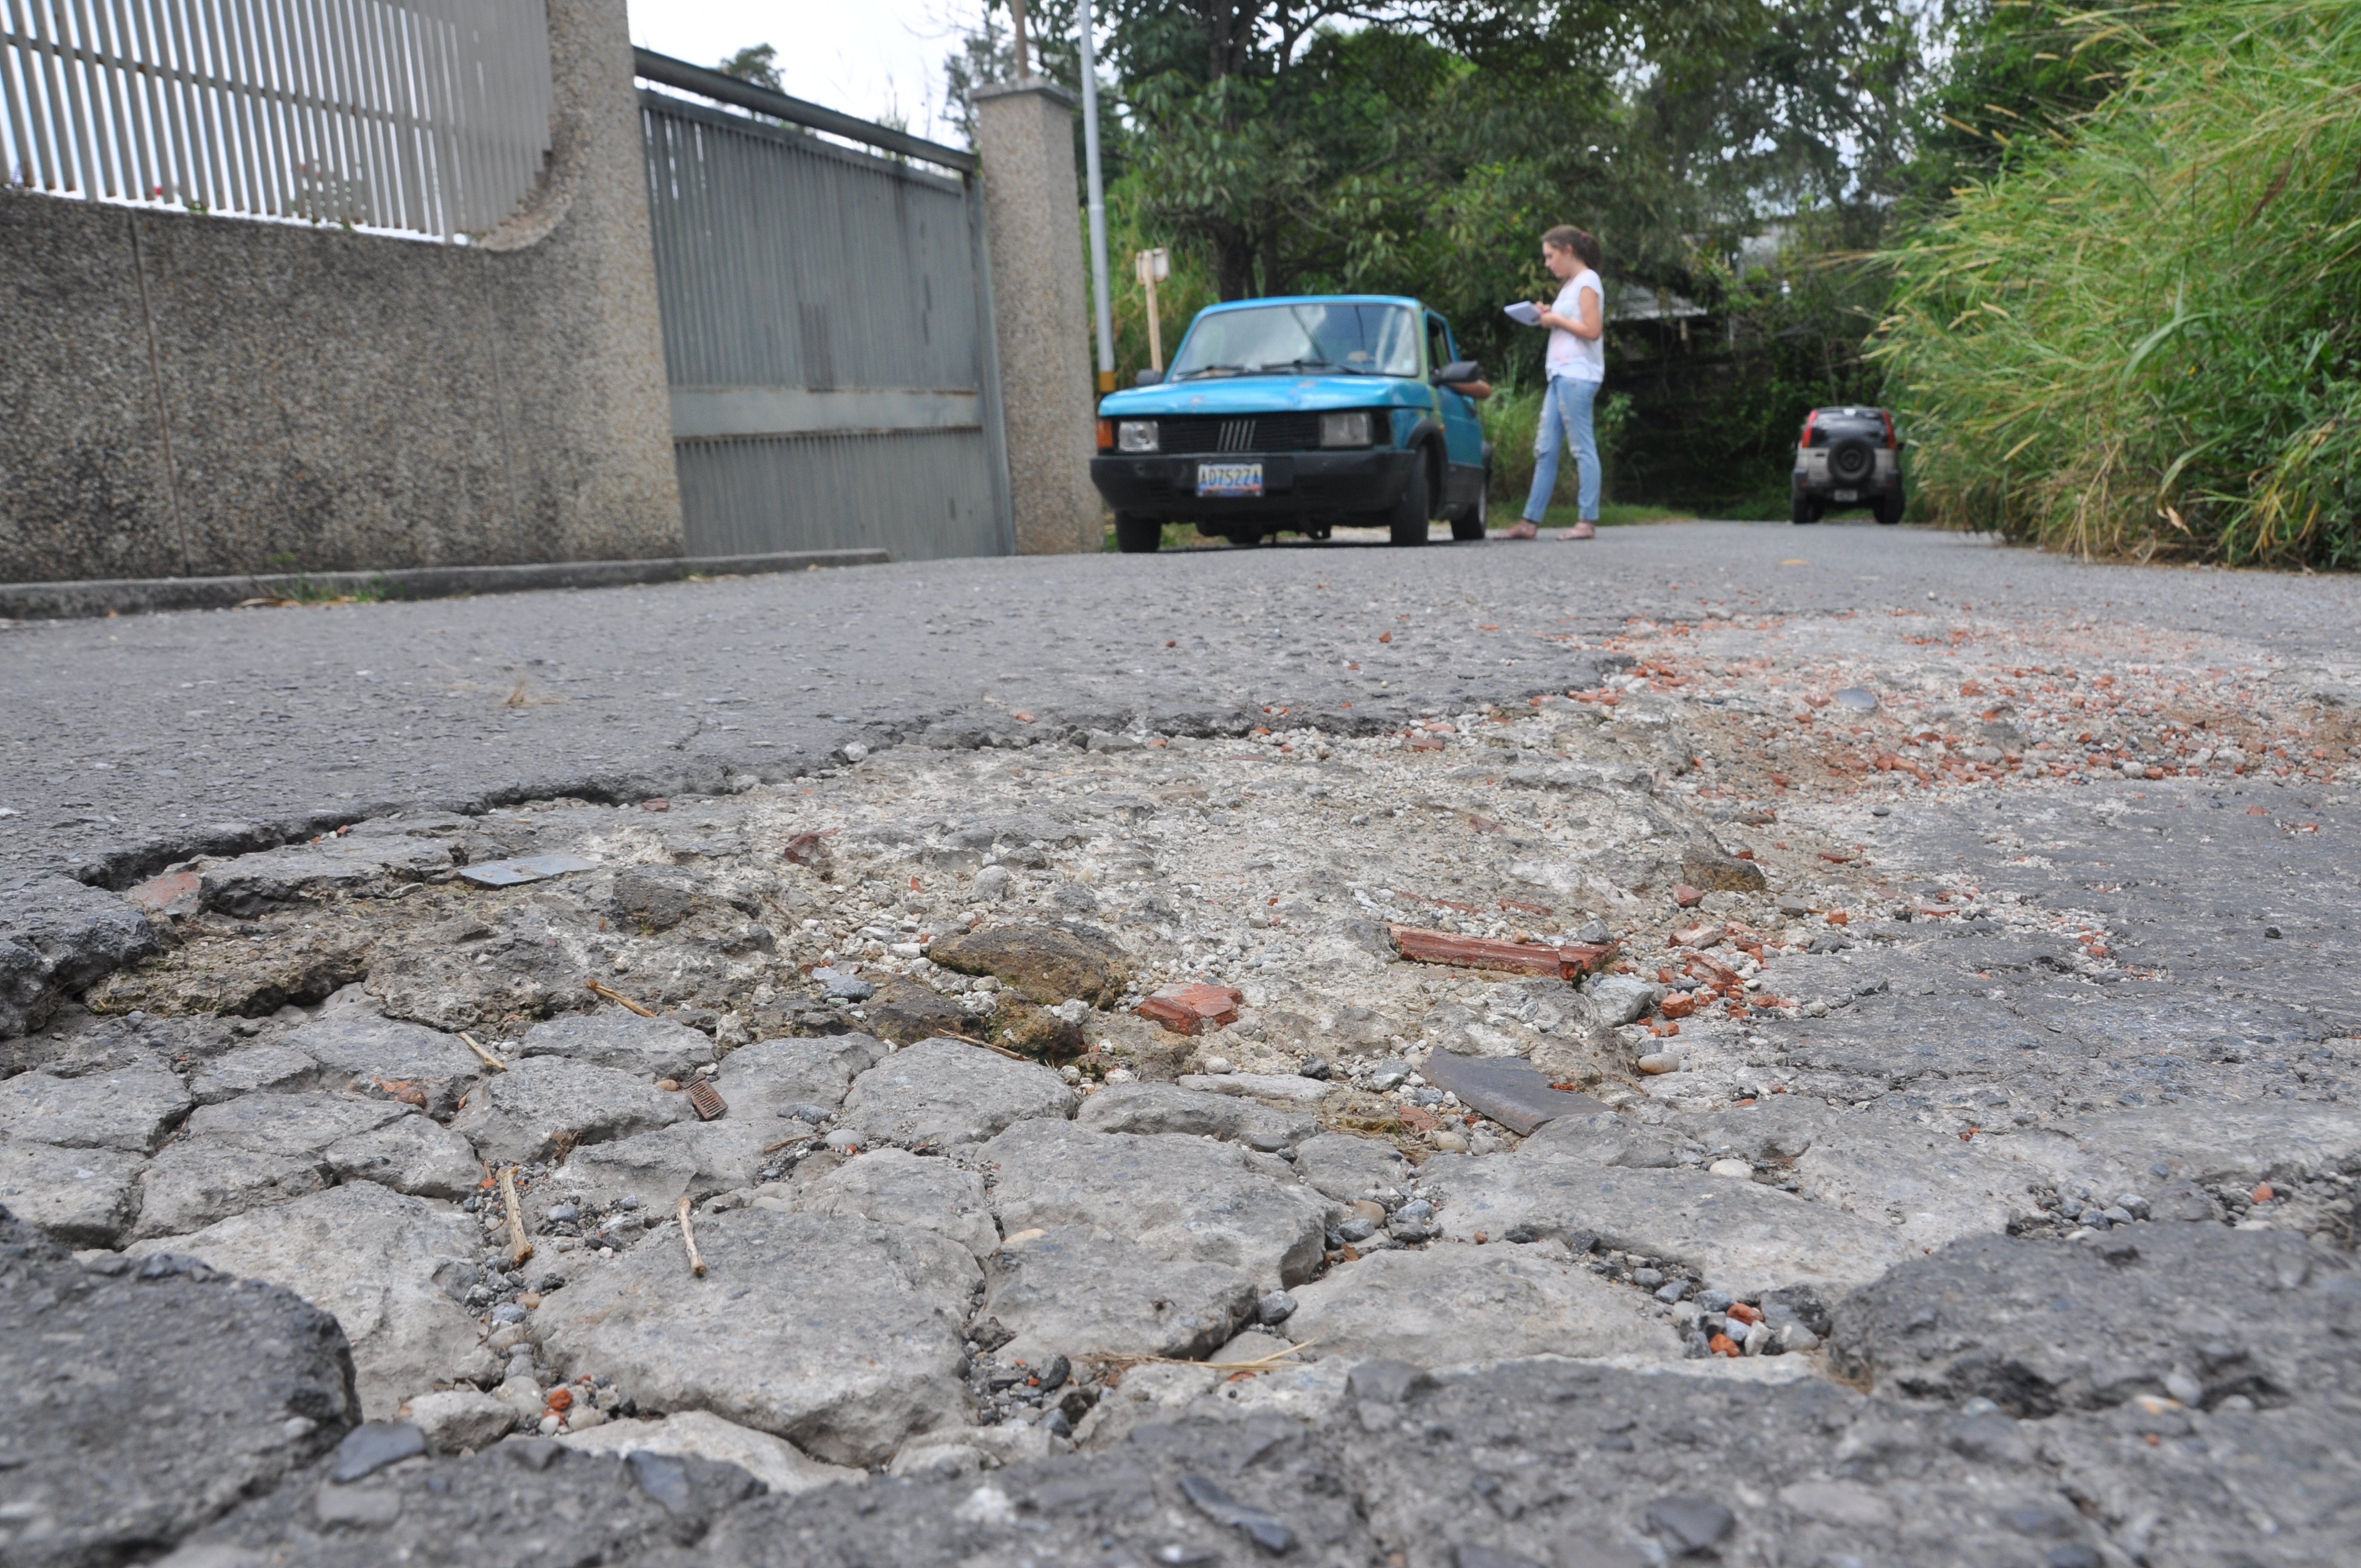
(189, 396)
(1024, 135)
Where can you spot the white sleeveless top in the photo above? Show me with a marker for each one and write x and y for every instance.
(1580, 358)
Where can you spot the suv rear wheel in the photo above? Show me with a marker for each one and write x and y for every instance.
(1137, 535)
(1802, 509)
(1889, 509)
(1409, 517)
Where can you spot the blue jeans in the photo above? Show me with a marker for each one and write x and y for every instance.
(1565, 416)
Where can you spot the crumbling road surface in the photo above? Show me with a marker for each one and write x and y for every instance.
(1777, 1070)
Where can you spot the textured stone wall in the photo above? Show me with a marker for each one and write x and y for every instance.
(1026, 137)
(187, 395)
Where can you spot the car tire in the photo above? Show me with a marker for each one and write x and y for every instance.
(1137, 535)
(1474, 521)
(1409, 517)
(1889, 509)
(1801, 509)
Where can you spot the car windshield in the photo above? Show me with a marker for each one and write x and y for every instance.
(1318, 335)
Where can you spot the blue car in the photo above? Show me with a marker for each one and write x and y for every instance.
(1296, 415)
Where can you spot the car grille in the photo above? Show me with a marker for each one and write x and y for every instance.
(1251, 432)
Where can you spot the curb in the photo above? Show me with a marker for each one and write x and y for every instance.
(133, 595)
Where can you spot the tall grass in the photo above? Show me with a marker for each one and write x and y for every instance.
(2144, 339)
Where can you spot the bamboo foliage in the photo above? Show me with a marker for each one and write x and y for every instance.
(2143, 339)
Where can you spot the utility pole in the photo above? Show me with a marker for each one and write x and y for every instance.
(1102, 306)
(1151, 268)
(1017, 21)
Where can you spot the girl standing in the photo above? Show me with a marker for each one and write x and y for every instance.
(1577, 364)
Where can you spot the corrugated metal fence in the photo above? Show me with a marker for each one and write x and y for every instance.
(827, 329)
(428, 116)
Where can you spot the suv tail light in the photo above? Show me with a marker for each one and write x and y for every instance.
(1891, 444)
(1809, 420)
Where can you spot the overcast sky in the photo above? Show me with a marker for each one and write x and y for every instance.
(869, 58)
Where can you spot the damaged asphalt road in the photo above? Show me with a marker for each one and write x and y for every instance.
(1774, 1070)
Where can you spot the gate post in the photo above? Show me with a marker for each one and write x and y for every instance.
(1025, 136)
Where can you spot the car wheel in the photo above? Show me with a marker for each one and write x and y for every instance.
(1801, 511)
(1889, 509)
(1409, 517)
(1475, 522)
(1137, 535)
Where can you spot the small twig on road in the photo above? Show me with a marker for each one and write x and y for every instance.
(520, 1248)
(688, 1239)
(611, 994)
(987, 1044)
(490, 1060)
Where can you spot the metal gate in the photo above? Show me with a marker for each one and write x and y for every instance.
(827, 328)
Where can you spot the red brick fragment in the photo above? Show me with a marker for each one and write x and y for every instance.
(1688, 897)
(159, 893)
(1567, 962)
(1679, 1007)
(1744, 1313)
(1195, 1008)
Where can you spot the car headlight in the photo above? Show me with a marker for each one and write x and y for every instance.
(1135, 435)
(1344, 430)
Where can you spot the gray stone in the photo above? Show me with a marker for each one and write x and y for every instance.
(652, 1047)
(1178, 1197)
(57, 936)
(1740, 1235)
(1348, 1169)
(894, 1187)
(1286, 1088)
(128, 1106)
(386, 1266)
(371, 1446)
(786, 1470)
(250, 1069)
(545, 1104)
(198, 1180)
(81, 1198)
(770, 1076)
(1163, 1108)
(247, 886)
(1619, 998)
(411, 1154)
(2039, 1327)
(1512, 1092)
(301, 1124)
(1925, 1183)
(1450, 1306)
(460, 1419)
(1075, 1292)
(944, 1092)
(144, 1403)
(842, 1336)
(364, 1045)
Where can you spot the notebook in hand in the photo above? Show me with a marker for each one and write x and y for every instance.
(1524, 312)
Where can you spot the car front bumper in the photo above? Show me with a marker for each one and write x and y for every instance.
(1294, 483)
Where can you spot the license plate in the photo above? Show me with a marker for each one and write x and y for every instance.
(1844, 495)
(1229, 478)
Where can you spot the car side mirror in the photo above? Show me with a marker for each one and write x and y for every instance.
(1460, 370)
(1147, 378)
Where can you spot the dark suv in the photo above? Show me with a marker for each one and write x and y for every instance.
(1847, 457)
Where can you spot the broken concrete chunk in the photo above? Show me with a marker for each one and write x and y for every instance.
(1349, 1169)
(894, 1187)
(130, 1106)
(770, 1076)
(250, 885)
(1740, 1235)
(546, 1105)
(105, 1464)
(301, 1124)
(56, 938)
(80, 1197)
(840, 1336)
(786, 1469)
(1453, 1306)
(1074, 1291)
(459, 1420)
(905, 1011)
(1164, 1108)
(1178, 1197)
(652, 1047)
(1042, 963)
(382, 1263)
(944, 1092)
(201, 1180)
(1722, 873)
(356, 1045)
(1288, 1088)
(252, 1068)
(411, 1154)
